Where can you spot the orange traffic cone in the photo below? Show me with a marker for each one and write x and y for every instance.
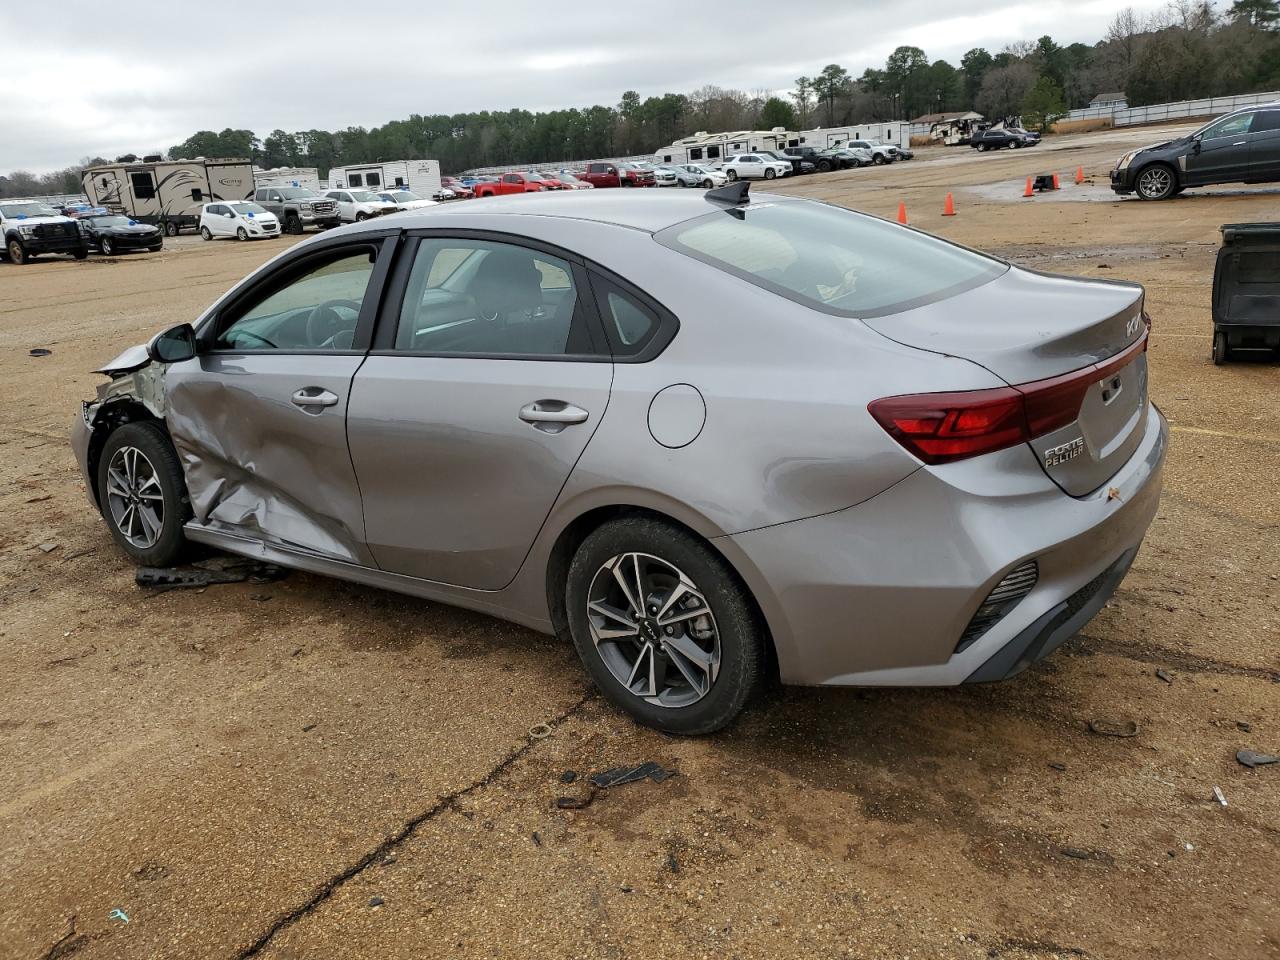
(902, 212)
(1079, 175)
(1028, 192)
(1055, 182)
(949, 208)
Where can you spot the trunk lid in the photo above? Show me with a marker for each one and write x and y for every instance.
(1026, 328)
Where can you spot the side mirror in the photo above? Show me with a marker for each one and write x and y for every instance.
(1195, 144)
(173, 345)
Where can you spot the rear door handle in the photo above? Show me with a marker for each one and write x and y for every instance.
(314, 397)
(552, 416)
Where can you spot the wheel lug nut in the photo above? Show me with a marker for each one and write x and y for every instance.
(671, 631)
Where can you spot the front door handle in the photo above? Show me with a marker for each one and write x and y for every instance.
(314, 397)
(552, 416)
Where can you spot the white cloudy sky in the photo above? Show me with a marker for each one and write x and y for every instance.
(87, 78)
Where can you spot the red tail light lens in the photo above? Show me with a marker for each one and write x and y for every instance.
(944, 427)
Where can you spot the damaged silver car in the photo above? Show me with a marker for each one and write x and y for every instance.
(711, 438)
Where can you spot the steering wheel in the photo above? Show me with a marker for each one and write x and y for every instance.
(325, 322)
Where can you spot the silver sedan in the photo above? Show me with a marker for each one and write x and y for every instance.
(709, 438)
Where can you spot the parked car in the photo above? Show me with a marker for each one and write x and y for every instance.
(549, 181)
(405, 199)
(112, 233)
(906, 153)
(804, 153)
(606, 173)
(357, 205)
(842, 158)
(666, 177)
(1240, 147)
(509, 183)
(697, 175)
(570, 181)
(1031, 135)
(997, 138)
(795, 165)
(459, 189)
(243, 219)
(30, 228)
(753, 166)
(298, 208)
(635, 504)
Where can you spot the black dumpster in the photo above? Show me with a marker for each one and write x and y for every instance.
(1246, 290)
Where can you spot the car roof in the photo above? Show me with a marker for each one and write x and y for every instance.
(646, 210)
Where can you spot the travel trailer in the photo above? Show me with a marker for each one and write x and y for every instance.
(890, 132)
(418, 176)
(702, 147)
(167, 193)
(308, 177)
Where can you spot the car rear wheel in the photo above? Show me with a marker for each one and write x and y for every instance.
(1221, 352)
(731, 174)
(663, 626)
(142, 494)
(204, 232)
(106, 246)
(1156, 182)
(171, 228)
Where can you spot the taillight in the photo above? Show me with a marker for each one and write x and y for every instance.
(944, 427)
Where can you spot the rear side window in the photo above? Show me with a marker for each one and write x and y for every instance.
(1266, 120)
(830, 258)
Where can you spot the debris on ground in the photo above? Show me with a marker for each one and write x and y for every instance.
(376, 901)
(118, 914)
(78, 554)
(308, 728)
(207, 573)
(48, 547)
(536, 838)
(673, 865)
(540, 731)
(1080, 853)
(1243, 727)
(1219, 795)
(618, 776)
(1161, 674)
(576, 802)
(1114, 728)
(47, 496)
(1251, 759)
(1058, 766)
(569, 776)
(39, 352)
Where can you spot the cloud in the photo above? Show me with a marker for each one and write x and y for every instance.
(322, 69)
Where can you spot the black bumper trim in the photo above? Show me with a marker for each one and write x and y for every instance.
(1054, 627)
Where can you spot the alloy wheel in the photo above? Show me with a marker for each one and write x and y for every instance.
(654, 630)
(134, 497)
(1155, 183)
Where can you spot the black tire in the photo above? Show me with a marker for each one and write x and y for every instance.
(1156, 181)
(81, 254)
(150, 438)
(242, 233)
(878, 159)
(105, 247)
(741, 639)
(157, 248)
(770, 173)
(292, 224)
(824, 166)
(17, 252)
(708, 183)
(1221, 352)
(171, 228)
(731, 174)
(361, 217)
(205, 234)
(982, 148)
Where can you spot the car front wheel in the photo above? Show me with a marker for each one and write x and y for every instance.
(770, 173)
(663, 626)
(106, 247)
(1156, 182)
(17, 252)
(707, 183)
(142, 494)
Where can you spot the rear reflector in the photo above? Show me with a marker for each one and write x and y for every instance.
(944, 427)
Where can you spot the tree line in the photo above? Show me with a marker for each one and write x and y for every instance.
(1185, 51)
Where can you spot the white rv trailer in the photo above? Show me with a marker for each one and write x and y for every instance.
(890, 132)
(419, 176)
(308, 177)
(703, 147)
(168, 193)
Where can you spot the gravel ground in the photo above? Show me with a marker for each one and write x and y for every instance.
(310, 769)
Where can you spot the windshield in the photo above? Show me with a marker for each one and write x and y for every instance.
(567, 178)
(298, 193)
(112, 221)
(404, 196)
(831, 258)
(28, 208)
(247, 208)
(362, 196)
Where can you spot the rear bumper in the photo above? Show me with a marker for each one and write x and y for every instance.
(880, 594)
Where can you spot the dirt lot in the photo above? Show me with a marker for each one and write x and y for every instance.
(309, 769)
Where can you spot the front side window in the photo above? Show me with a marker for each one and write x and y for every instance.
(831, 258)
(1229, 127)
(314, 307)
(482, 298)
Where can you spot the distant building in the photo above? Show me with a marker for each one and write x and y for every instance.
(1115, 100)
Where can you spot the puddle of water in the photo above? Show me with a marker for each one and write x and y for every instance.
(1087, 192)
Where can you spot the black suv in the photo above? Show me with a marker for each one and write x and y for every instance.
(1242, 147)
(996, 138)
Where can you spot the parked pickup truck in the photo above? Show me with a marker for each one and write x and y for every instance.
(510, 183)
(30, 227)
(298, 207)
(608, 174)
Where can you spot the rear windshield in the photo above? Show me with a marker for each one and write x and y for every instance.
(831, 258)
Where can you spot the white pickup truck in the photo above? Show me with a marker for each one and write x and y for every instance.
(30, 227)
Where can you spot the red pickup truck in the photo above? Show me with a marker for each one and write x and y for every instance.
(616, 175)
(509, 183)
